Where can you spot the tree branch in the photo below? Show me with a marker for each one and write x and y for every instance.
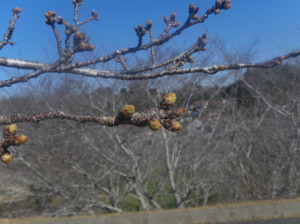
(10, 28)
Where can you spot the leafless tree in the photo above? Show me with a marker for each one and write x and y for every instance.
(121, 162)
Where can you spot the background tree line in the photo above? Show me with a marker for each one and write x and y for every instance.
(239, 142)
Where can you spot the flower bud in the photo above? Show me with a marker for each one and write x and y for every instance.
(191, 8)
(128, 110)
(221, 67)
(53, 20)
(47, 15)
(90, 47)
(140, 27)
(216, 11)
(154, 124)
(52, 13)
(218, 2)
(227, 6)
(168, 100)
(166, 19)
(20, 139)
(177, 113)
(67, 32)
(195, 17)
(11, 129)
(174, 125)
(6, 157)
(173, 17)
(82, 46)
(196, 10)
(148, 24)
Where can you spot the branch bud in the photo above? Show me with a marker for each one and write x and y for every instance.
(218, 2)
(166, 19)
(227, 6)
(6, 157)
(168, 100)
(177, 113)
(191, 8)
(174, 125)
(173, 17)
(221, 67)
(140, 27)
(154, 124)
(148, 25)
(20, 139)
(90, 47)
(195, 17)
(216, 11)
(11, 129)
(128, 110)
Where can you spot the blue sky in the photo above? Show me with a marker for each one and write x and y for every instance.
(275, 22)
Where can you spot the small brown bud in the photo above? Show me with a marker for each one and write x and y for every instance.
(67, 32)
(47, 21)
(166, 19)
(83, 46)
(204, 35)
(20, 139)
(128, 110)
(176, 113)
(16, 10)
(47, 15)
(143, 32)
(77, 35)
(148, 25)
(221, 67)
(90, 47)
(227, 1)
(6, 157)
(168, 100)
(140, 27)
(196, 10)
(154, 124)
(282, 58)
(218, 2)
(227, 6)
(174, 125)
(11, 129)
(191, 8)
(181, 63)
(52, 13)
(53, 20)
(216, 11)
(73, 29)
(173, 17)
(195, 17)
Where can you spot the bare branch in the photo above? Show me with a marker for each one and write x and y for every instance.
(10, 28)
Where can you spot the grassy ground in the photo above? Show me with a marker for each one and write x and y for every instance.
(231, 205)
